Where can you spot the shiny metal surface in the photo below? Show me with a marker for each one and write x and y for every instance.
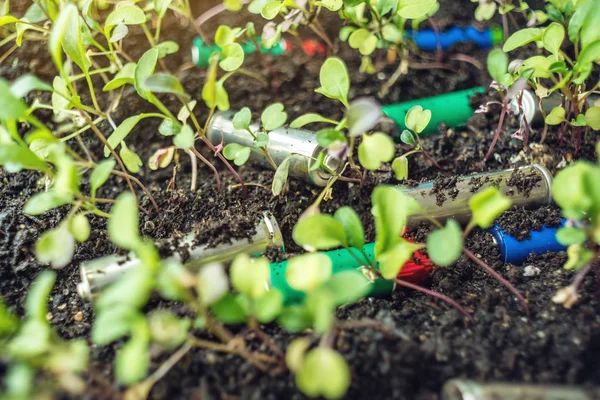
(531, 108)
(282, 142)
(99, 273)
(453, 201)
(464, 389)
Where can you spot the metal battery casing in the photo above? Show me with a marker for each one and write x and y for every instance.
(282, 142)
(99, 273)
(516, 251)
(531, 107)
(453, 201)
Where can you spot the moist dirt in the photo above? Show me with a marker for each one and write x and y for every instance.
(401, 347)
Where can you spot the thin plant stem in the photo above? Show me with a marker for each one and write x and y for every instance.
(436, 295)
(227, 164)
(499, 278)
(209, 164)
(498, 130)
(140, 184)
(194, 162)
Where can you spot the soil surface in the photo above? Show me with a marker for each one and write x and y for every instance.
(402, 347)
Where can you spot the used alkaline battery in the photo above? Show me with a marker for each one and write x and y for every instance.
(282, 142)
(415, 271)
(529, 187)
(99, 273)
(516, 251)
(463, 389)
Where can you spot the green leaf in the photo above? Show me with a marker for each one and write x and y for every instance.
(161, 7)
(407, 137)
(444, 245)
(168, 127)
(331, 5)
(249, 275)
(309, 119)
(167, 329)
(321, 305)
(41, 202)
(27, 83)
(100, 175)
(308, 271)
(242, 119)
(121, 133)
(233, 5)
(167, 47)
(127, 15)
(271, 9)
(119, 33)
(497, 64)
(348, 287)
(113, 324)
(485, 11)
(592, 118)
(588, 55)
(579, 121)
(273, 117)
(233, 55)
(327, 137)
(55, 247)
(352, 225)
(224, 36)
(417, 119)
(230, 310)
(79, 227)
(375, 149)
(164, 83)
(295, 318)
(122, 225)
(323, 373)
(133, 359)
(570, 235)
(393, 258)
(268, 306)
(184, 139)
(11, 107)
(212, 283)
(132, 161)
(319, 232)
(522, 37)
(32, 340)
(569, 190)
(540, 65)
(143, 70)
(131, 290)
(556, 116)
(486, 206)
(584, 24)
(262, 140)
(237, 153)
(281, 175)
(414, 9)
(294, 355)
(123, 77)
(59, 30)
(364, 41)
(36, 302)
(553, 37)
(400, 168)
(7, 19)
(334, 79)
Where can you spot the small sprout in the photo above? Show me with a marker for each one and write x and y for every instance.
(268, 306)
(323, 372)
(273, 117)
(123, 224)
(79, 227)
(132, 161)
(164, 83)
(237, 153)
(375, 149)
(486, 206)
(335, 82)
(592, 117)
(407, 138)
(400, 168)
(364, 41)
(556, 116)
(233, 57)
(307, 272)
(184, 139)
(250, 276)
(100, 175)
(167, 328)
(281, 175)
(417, 119)
(319, 232)
(395, 256)
(444, 245)
(212, 283)
(497, 64)
(184, 113)
(242, 119)
(309, 119)
(144, 69)
(294, 356)
(161, 158)
(347, 287)
(168, 127)
(56, 246)
(231, 309)
(352, 225)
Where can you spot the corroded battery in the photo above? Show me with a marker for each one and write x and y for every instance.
(97, 274)
(282, 142)
(442, 199)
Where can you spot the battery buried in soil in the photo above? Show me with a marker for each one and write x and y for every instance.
(99, 273)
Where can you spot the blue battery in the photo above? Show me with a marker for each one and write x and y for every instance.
(514, 251)
(427, 40)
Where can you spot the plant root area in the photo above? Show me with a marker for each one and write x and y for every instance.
(402, 347)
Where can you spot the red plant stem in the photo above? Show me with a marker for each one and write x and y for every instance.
(438, 52)
(229, 167)
(437, 295)
(498, 130)
(205, 161)
(499, 278)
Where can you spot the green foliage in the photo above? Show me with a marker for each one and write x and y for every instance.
(444, 246)
(320, 232)
(486, 206)
(352, 226)
(248, 275)
(123, 223)
(375, 149)
(273, 117)
(237, 153)
(335, 82)
(323, 372)
(308, 271)
(417, 119)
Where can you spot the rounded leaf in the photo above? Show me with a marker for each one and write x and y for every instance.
(308, 271)
(375, 149)
(319, 232)
(444, 245)
(355, 234)
(250, 276)
(323, 373)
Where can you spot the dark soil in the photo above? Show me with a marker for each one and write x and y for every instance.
(416, 343)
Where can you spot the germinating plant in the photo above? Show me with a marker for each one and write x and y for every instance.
(570, 47)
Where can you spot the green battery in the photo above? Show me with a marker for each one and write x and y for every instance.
(453, 109)
(342, 260)
(201, 52)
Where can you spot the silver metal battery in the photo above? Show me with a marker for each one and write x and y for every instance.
(531, 107)
(282, 142)
(529, 187)
(464, 389)
(97, 274)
